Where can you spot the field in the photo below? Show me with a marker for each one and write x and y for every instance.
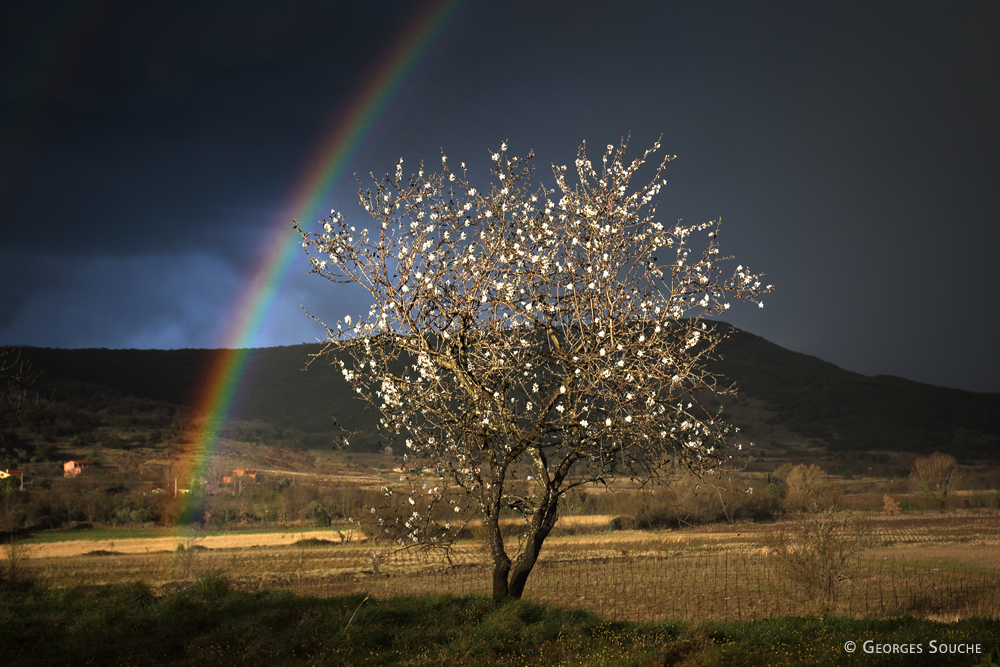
(935, 565)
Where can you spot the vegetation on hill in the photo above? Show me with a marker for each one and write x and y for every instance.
(278, 398)
(783, 395)
(849, 412)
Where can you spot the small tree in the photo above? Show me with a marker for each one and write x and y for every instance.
(17, 400)
(808, 489)
(936, 476)
(530, 340)
(820, 554)
(891, 506)
(13, 571)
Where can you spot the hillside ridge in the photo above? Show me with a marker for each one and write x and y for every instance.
(785, 399)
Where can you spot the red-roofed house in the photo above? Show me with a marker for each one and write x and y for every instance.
(74, 468)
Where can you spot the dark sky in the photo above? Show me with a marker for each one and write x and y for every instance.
(148, 151)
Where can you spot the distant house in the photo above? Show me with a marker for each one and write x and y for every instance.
(13, 474)
(74, 468)
(249, 473)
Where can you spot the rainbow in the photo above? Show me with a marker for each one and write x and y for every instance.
(220, 388)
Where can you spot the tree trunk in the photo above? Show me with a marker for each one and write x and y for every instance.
(500, 572)
(501, 561)
(508, 583)
(541, 526)
(524, 564)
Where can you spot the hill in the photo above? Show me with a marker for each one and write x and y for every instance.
(278, 398)
(848, 412)
(788, 403)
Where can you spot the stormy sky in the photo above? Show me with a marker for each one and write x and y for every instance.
(148, 152)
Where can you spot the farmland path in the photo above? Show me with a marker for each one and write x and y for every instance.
(141, 545)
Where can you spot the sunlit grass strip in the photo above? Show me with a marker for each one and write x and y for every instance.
(120, 534)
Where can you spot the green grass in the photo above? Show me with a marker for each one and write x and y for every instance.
(212, 624)
(141, 533)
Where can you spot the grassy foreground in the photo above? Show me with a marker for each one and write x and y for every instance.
(213, 624)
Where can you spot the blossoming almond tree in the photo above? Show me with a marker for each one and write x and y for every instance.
(529, 340)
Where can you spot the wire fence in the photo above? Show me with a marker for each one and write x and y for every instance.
(720, 586)
(715, 573)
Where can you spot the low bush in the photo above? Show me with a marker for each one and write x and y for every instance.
(623, 523)
(689, 500)
(14, 575)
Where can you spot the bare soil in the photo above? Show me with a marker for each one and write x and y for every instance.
(151, 545)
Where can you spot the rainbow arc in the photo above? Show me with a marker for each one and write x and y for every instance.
(220, 388)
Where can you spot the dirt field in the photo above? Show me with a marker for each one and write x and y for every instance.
(937, 565)
(152, 545)
(236, 540)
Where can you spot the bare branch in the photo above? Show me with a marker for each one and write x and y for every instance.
(17, 399)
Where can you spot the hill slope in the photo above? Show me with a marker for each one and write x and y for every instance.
(781, 392)
(850, 412)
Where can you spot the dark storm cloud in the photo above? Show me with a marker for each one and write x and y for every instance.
(163, 301)
(849, 149)
(163, 114)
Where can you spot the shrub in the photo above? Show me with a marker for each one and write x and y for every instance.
(890, 506)
(821, 554)
(14, 576)
(808, 489)
(936, 476)
(690, 500)
(623, 523)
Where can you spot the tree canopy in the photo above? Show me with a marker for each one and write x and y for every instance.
(529, 340)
